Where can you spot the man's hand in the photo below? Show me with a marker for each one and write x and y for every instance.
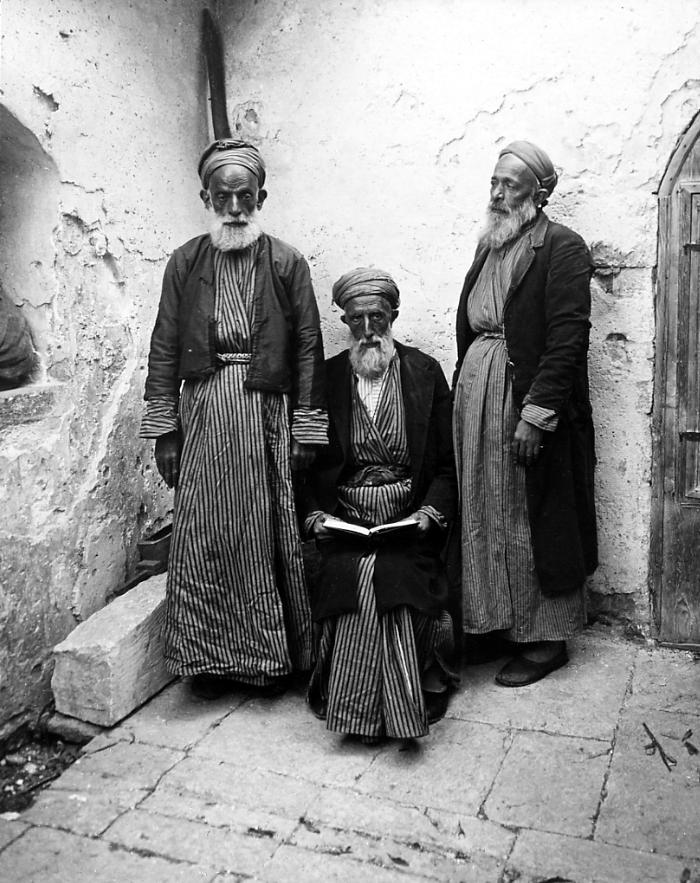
(318, 530)
(422, 522)
(526, 444)
(168, 450)
(302, 456)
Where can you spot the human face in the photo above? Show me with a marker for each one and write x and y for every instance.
(512, 183)
(368, 316)
(233, 195)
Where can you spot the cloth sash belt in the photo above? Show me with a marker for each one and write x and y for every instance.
(234, 358)
(497, 335)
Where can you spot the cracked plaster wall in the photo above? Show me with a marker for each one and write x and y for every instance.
(112, 96)
(380, 123)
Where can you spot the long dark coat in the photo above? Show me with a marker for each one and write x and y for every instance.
(546, 325)
(407, 571)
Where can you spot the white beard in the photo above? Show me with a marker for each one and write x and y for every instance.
(371, 361)
(234, 237)
(502, 227)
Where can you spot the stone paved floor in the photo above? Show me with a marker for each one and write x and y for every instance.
(548, 783)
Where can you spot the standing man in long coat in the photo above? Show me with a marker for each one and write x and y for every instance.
(522, 424)
(235, 401)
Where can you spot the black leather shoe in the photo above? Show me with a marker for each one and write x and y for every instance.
(520, 672)
(436, 704)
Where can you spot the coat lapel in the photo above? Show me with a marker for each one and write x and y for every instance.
(339, 377)
(417, 393)
(523, 264)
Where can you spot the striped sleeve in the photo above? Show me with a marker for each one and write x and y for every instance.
(160, 417)
(542, 418)
(310, 426)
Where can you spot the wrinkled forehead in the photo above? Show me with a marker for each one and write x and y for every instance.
(512, 167)
(367, 303)
(233, 177)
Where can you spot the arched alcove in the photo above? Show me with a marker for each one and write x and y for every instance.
(29, 186)
(675, 529)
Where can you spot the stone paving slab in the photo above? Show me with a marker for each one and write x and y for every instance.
(433, 829)
(141, 764)
(293, 865)
(221, 849)
(647, 807)
(551, 783)
(539, 856)
(282, 735)
(9, 831)
(272, 792)
(451, 769)
(44, 855)
(87, 809)
(413, 858)
(175, 718)
(581, 699)
(513, 785)
(220, 814)
(668, 680)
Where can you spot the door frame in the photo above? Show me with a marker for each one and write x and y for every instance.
(666, 311)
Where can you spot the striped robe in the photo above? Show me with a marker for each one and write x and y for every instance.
(500, 589)
(369, 667)
(236, 598)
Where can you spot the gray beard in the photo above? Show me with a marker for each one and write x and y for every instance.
(226, 237)
(371, 361)
(501, 228)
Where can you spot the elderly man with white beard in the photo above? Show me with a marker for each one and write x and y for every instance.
(235, 402)
(523, 431)
(380, 596)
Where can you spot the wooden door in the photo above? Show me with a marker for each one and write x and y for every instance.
(675, 561)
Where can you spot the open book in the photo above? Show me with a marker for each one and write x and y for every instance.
(337, 524)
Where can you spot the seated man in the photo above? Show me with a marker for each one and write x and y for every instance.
(385, 635)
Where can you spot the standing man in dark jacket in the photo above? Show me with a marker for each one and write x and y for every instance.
(522, 424)
(238, 324)
(385, 632)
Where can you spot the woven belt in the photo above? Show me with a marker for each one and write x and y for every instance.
(234, 358)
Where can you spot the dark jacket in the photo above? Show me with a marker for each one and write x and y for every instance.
(287, 350)
(546, 324)
(407, 571)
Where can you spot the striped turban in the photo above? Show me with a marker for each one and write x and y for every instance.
(536, 160)
(365, 280)
(230, 152)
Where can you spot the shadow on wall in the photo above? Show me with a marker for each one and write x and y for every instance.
(28, 177)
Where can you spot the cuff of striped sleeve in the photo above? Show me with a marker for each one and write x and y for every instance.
(310, 426)
(435, 516)
(542, 418)
(160, 417)
(310, 521)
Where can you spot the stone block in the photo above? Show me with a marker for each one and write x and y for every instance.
(70, 729)
(113, 662)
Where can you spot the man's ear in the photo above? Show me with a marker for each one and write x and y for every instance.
(541, 197)
(262, 196)
(394, 316)
(343, 319)
(206, 199)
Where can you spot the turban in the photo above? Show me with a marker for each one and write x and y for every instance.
(365, 280)
(536, 160)
(230, 152)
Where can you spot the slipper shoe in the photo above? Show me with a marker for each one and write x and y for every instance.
(520, 672)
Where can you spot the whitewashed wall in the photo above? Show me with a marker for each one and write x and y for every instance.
(381, 121)
(103, 116)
